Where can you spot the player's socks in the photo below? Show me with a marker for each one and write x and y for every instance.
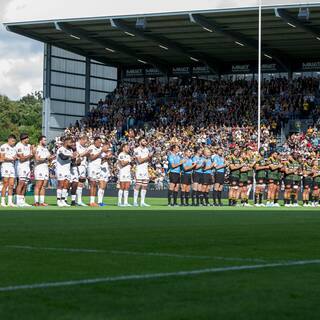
(100, 195)
(186, 195)
(219, 198)
(214, 197)
(10, 200)
(41, 198)
(182, 195)
(256, 197)
(59, 195)
(143, 195)
(170, 195)
(136, 195)
(201, 197)
(193, 197)
(260, 198)
(3, 201)
(79, 195)
(64, 195)
(292, 199)
(175, 198)
(18, 199)
(206, 198)
(198, 198)
(92, 199)
(125, 196)
(73, 199)
(120, 194)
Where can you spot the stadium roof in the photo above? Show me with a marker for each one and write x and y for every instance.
(212, 39)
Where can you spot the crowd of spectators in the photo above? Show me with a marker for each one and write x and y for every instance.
(198, 112)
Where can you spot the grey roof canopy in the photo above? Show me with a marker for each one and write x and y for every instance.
(215, 40)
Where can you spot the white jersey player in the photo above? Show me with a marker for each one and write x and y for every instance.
(24, 154)
(124, 166)
(142, 156)
(8, 155)
(65, 155)
(94, 168)
(82, 149)
(104, 176)
(42, 157)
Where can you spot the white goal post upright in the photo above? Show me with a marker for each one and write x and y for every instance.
(259, 76)
(259, 88)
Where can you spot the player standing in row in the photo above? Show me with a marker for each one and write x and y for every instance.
(8, 155)
(82, 149)
(97, 154)
(124, 166)
(42, 157)
(219, 176)
(142, 156)
(24, 154)
(175, 163)
(65, 154)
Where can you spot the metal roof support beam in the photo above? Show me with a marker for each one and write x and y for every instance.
(237, 37)
(110, 45)
(296, 23)
(166, 44)
(62, 46)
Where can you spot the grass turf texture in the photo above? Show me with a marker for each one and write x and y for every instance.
(127, 236)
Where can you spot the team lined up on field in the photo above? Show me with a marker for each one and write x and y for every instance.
(196, 172)
(75, 162)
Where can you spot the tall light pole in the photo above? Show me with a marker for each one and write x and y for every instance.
(259, 76)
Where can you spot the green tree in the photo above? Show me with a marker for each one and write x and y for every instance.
(24, 115)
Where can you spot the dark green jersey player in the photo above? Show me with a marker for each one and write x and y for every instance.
(261, 168)
(274, 172)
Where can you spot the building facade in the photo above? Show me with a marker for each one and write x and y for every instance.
(73, 84)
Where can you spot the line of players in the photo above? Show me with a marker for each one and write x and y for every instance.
(75, 162)
(197, 172)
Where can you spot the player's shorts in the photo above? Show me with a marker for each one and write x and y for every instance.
(207, 179)
(186, 178)
(197, 177)
(250, 180)
(243, 183)
(261, 181)
(174, 177)
(219, 178)
(104, 175)
(124, 177)
(273, 181)
(292, 183)
(316, 185)
(63, 174)
(142, 176)
(41, 174)
(23, 172)
(307, 182)
(82, 171)
(8, 170)
(94, 173)
(233, 181)
(75, 174)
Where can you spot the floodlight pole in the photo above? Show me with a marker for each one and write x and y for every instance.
(259, 77)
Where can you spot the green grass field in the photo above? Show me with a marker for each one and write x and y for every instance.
(159, 263)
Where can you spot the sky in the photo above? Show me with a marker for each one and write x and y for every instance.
(21, 59)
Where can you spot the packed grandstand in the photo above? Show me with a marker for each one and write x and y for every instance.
(195, 121)
(203, 113)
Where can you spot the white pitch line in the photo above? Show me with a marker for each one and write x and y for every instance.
(134, 253)
(69, 283)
